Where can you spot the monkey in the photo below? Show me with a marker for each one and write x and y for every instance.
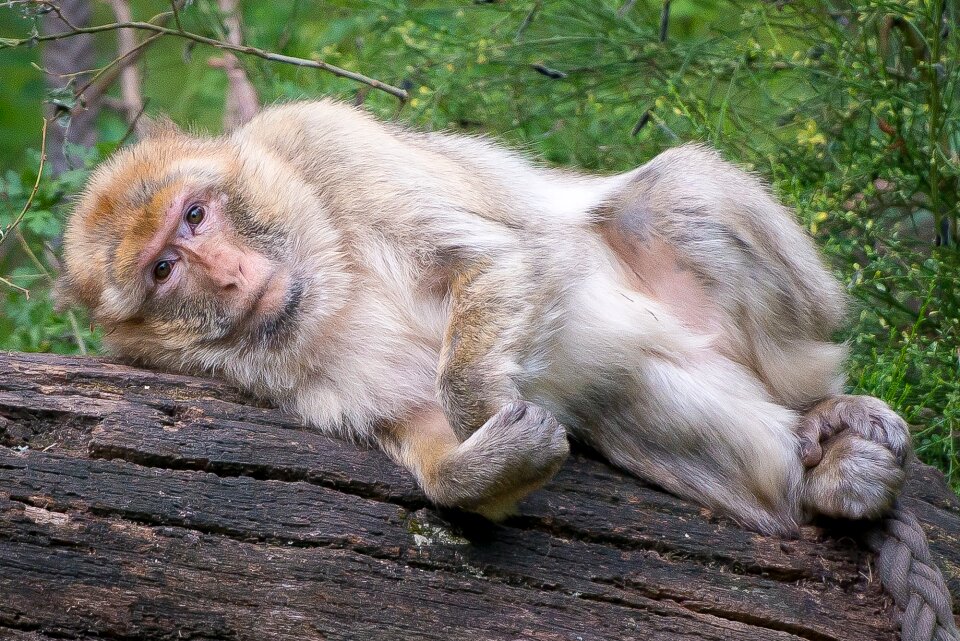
(470, 311)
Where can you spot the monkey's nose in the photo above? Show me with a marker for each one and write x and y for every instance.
(225, 274)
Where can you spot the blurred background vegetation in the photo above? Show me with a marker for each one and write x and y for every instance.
(849, 109)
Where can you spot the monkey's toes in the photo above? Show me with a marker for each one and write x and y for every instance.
(856, 479)
(865, 416)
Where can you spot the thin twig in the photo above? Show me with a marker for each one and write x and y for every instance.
(242, 102)
(130, 92)
(75, 328)
(219, 44)
(71, 317)
(24, 290)
(100, 83)
(665, 21)
(133, 123)
(36, 185)
(102, 86)
(57, 11)
(176, 14)
(528, 20)
(23, 212)
(25, 246)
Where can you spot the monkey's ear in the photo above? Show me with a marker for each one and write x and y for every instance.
(157, 127)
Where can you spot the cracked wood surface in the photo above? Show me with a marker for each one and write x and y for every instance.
(138, 505)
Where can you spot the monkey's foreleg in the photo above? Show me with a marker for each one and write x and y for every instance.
(498, 313)
(513, 453)
(508, 446)
(854, 448)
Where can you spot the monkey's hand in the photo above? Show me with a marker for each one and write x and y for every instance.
(855, 448)
(515, 452)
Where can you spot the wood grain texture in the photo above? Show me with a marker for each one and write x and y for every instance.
(138, 505)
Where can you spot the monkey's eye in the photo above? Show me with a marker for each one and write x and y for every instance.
(195, 214)
(162, 270)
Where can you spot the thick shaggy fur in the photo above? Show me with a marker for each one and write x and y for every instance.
(458, 304)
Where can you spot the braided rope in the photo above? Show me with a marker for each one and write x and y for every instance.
(908, 572)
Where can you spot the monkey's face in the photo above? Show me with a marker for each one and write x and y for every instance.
(168, 251)
(198, 273)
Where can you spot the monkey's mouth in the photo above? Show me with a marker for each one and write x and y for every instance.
(269, 299)
(271, 327)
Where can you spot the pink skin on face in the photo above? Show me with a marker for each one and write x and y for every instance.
(208, 255)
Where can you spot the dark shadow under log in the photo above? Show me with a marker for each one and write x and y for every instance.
(138, 505)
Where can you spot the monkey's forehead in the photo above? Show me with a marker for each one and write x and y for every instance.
(124, 192)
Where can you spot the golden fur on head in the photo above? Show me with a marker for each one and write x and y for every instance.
(120, 210)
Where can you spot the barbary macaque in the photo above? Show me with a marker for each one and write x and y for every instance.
(467, 310)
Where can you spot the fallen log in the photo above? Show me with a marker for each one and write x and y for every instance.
(140, 505)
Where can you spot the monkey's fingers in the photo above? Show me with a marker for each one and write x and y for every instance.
(809, 433)
(810, 453)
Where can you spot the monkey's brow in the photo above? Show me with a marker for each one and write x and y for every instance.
(143, 191)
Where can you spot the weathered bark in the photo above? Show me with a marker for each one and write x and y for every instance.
(151, 506)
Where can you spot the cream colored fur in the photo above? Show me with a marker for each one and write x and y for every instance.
(674, 317)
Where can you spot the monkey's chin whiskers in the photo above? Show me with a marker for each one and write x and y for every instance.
(273, 319)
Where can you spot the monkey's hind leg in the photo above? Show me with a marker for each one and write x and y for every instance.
(855, 448)
(515, 452)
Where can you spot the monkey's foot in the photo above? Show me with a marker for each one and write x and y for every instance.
(515, 452)
(854, 448)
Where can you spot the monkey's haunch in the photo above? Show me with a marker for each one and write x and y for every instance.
(912, 578)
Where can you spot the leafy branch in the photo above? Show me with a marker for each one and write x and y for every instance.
(73, 31)
(4, 233)
(36, 186)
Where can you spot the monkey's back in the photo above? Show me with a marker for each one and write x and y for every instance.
(418, 207)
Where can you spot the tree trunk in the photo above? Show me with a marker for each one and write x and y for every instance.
(61, 59)
(138, 505)
(241, 103)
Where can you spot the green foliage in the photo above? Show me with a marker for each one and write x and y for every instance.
(27, 256)
(850, 108)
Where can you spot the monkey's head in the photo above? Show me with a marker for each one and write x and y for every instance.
(189, 251)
